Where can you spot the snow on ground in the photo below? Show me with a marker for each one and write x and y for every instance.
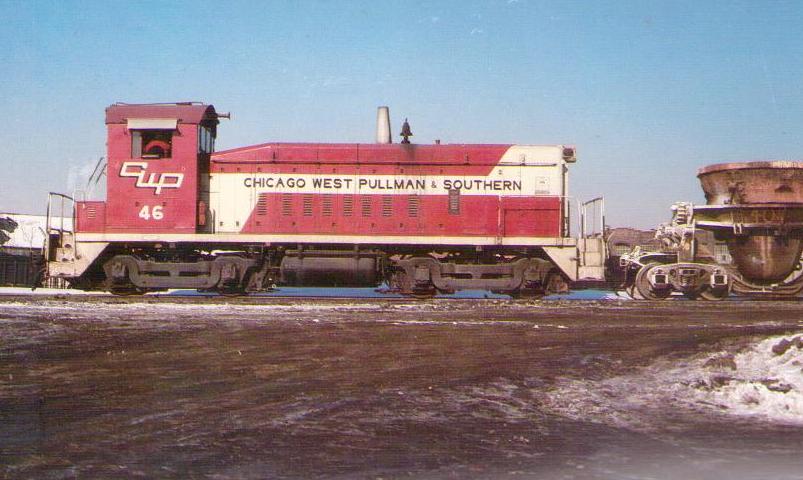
(195, 313)
(205, 309)
(44, 291)
(767, 380)
(762, 381)
(325, 292)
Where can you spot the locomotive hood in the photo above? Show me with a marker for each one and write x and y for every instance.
(413, 154)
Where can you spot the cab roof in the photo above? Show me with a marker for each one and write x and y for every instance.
(184, 112)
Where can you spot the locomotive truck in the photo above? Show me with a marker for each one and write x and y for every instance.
(420, 219)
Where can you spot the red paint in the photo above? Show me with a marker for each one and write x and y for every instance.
(189, 112)
(90, 217)
(484, 215)
(177, 206)
(349, 159)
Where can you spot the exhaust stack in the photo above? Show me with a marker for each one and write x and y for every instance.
(383, 125)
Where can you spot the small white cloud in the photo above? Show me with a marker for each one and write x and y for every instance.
(477, 31)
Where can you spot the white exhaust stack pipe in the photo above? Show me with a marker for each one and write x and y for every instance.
(383, 125)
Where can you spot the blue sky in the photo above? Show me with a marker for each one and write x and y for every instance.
(648, 91)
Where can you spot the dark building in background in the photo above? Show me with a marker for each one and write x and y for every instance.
(17, 270)
(21, 253)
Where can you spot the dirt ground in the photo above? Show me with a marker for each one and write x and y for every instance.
(103, 387)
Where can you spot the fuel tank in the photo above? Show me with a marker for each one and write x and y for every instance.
(322, 268)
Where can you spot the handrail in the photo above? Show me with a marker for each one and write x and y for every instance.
(48, 227)
(91, 177)
(583, 211)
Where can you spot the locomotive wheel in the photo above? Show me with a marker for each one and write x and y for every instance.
(232, 292)
(715, 295)
(633, 292)
(423, 293)
(232, 282)
(126, 290)
(523, 293)
(402, 283)
(644, 288)
(629, 284)
(555, 284)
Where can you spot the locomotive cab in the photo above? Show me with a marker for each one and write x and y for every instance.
(158, 164)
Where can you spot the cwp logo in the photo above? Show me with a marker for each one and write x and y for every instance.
(157, 181)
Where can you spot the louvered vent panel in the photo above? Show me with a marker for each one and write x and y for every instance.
(412, 206)
(287, 204)
(366, 206)
(262, 205)
(454, 201)
(348, 206)
(326, 206)
(387, 206)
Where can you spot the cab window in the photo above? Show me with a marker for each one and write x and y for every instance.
(206, 140)
(151, 143)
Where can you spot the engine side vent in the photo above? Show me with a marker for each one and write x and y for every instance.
(307, 205)
(287, 204)
(454, 201)
(366, 206)
(326, 206)
(387, 206)
(413, 205)
(348, 205)
(262, 205)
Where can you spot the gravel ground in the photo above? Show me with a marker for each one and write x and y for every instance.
(107, 387)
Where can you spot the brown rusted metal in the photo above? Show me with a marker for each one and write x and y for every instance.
(752, 182)
(757, 208)
(766, 258)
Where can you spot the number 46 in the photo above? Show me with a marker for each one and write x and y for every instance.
(148, 213)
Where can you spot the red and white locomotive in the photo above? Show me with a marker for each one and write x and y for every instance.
(420, 218)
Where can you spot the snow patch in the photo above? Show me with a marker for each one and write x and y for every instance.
(766, 380)
(763, 380)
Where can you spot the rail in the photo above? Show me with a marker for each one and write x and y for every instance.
(596, 208)
(597, 218)
(62, 200)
